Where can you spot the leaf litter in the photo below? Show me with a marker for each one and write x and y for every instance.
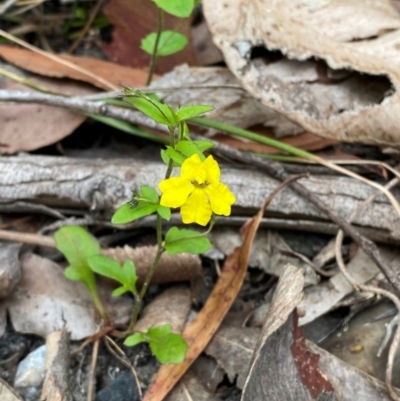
(239, 345)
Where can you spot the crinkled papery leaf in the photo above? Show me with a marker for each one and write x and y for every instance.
(170, 42)
(185, 241)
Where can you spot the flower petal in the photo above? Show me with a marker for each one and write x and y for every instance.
(197, 208)
(221, 198)
(175, 191)
(212, 168)
(190, 167)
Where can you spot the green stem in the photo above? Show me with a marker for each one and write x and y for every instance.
(172, 144)
(149, 276)
(154, 56)
(99, 306)
(252, 136)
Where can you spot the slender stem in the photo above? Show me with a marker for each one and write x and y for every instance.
(252, 136)
(154, 56)
(172, 144)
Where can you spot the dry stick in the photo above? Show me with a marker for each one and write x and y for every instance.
(274, 169)
(58, 60)
(277, 171)
(91, 380)
(87, 26)
(120, 355)
(373, 289)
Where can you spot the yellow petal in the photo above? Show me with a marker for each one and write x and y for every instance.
(190, 167)
(221, 198)
(212, 168)
(196, 209)
(175, 191)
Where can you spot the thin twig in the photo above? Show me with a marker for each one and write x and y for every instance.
(87, 26)
(92, 371)
(375, 290)
(113, 348)
(6, 5)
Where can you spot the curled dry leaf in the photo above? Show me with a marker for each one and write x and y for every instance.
(330, 66)
(181, 267)
(171, 307)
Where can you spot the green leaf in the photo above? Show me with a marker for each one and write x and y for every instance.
(189, 241)
(127, 213)
(203, 145)
(159, 112)
(77, 245)
(183, 131)
(167, 347)
(189, 148)
(149, 193)
(164, 212)
(186, 112)
(179, 8)
(134, 339)
(170, 42)
(175, 156)
(125, 275)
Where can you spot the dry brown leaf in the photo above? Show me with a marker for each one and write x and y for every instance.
(34, 62)
(170, 307)
(191, 388)
(338, 71)
(181, 267)
(45, 301)
(132, 21)
(26, 127)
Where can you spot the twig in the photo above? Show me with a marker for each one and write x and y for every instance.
(58, 60)
(120, 355)
(272, 168)
(6, 5)
(375, 290)
(87, 26)
(92, 371)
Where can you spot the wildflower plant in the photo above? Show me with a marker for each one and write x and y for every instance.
(198, 193)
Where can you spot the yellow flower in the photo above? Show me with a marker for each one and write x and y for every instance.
(197, 191)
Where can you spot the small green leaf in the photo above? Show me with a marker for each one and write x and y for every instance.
(159, 112)
(164, 212)
(119, 291)
(170, 42)
(179, 8)
(125, 275)
(183, 131)
(186, 112)
(167, 347)
(149, 193)
(189, 148)
(203, 145)
(177, 157)
(134, 339)
(127, 213)
(189, 241)
(164, 156)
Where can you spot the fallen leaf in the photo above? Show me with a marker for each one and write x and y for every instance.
(133, 21)
(331, 67)
(233, 348)
(191, 388)
(181, 267)
(45, 301)
(27, 127)
(172, 307)
(112, 72)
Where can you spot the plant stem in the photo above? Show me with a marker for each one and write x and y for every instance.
(172, 144)
(139, 298)
(154, 56)
(252, 136)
